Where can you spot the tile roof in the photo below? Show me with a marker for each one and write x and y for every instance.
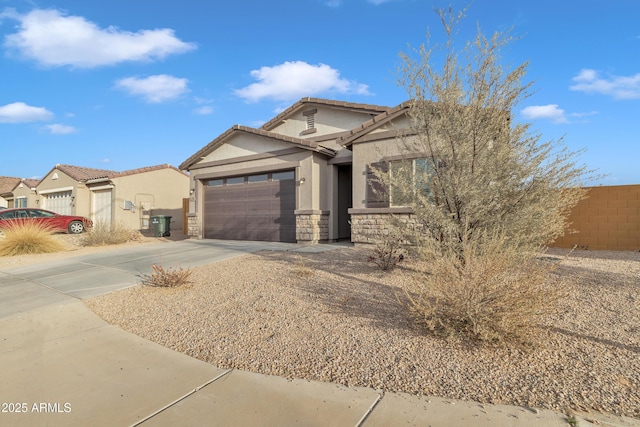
(308, 102)
(31, 183)
(374, 123)
(302, 143)
(8, 183)
(80, 173)
(146, 169)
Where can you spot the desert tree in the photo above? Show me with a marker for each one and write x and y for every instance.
(481, 173)
(487, 193)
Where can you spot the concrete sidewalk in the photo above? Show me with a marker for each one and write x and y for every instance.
(64, 366)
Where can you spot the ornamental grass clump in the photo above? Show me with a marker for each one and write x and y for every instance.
(167, 277)
(105, 233)
(28, 237)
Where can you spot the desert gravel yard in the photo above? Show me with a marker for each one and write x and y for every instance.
(334, 317)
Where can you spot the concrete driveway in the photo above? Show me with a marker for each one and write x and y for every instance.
(64, 366)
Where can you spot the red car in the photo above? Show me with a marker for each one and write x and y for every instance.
(63, 223)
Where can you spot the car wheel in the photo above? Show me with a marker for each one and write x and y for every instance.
(76, 227)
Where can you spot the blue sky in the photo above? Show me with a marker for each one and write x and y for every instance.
(124, 84)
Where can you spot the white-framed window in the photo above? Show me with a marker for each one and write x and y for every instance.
(20, 202)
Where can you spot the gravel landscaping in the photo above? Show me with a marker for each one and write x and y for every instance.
(334, 317)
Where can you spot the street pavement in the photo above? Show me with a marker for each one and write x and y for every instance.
(64, 366)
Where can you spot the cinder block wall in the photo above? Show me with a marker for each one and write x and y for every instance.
(608, 219)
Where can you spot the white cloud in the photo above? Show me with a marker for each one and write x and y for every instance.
(53, 39)
(58, 129)
(204, 110)
(619, 87)
(154, 89)
(551, 112)
(105, 160)
(19, 112)
(292, 80)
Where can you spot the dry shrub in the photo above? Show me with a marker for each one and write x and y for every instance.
(388, 250)
(104, 233)
(496, 294)
(301, 270)
(167, 277)
(26, 237)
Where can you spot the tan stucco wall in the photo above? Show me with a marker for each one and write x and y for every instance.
(327, 121)
(243, 145)
(63, 182)
(365, 154)
(157, 192)
(23, 190)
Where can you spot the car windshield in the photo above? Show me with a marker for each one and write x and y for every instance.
(8, 215)
(36, 213)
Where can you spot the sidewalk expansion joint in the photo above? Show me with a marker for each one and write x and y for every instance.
(195, 390)
(370, 410)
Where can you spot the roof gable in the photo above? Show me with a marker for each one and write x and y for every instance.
(237, 129)
(310, 103)
(382, 120)
(80, 173)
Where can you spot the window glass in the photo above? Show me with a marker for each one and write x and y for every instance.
(37, 213)
(401, 174)
(423, 171)
(22, 214)
(235, 180)
(21, 202)
(215, 182)
(8, 215)
(409, 178)
(258, 178)
(281, 176)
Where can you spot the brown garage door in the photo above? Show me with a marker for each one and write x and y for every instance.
(252, 207)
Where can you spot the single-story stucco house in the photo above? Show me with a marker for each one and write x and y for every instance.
(128, 198)
(304, 176)
(22, 194)
(7, 184)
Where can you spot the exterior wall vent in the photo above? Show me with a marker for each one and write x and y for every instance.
(311, 121)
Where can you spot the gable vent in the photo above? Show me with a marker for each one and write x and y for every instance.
(311, 121)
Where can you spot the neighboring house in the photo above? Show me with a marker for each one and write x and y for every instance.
(304, 176)
(128, 198)
(7, 184)
(24, 194)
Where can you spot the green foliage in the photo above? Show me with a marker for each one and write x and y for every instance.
(572, 421)
(104, 233)
(28, 237)
(167, 277)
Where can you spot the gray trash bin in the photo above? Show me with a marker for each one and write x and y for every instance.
(161, 225)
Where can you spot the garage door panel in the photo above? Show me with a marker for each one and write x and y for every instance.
(252, 211)
(59, 202)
